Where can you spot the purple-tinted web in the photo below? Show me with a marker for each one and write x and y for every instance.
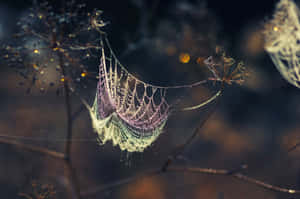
(128, 111)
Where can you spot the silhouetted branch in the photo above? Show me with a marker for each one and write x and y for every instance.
(239, 176)
(36, 149)
(199, 170)
(180, 148)
(70, 169)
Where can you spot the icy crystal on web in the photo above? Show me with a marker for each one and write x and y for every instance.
(129, 112)
(282, 40)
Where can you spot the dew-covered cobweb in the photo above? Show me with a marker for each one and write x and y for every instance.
(128, 111)
(282, 40)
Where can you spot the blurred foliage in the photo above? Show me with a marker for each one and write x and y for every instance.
(40, 191)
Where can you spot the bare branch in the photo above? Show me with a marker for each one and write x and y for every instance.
(180, 148)
(36, 149)
(239, 176)
(71, 170)
(199, 170)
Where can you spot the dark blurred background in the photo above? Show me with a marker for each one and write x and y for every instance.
(254, 124)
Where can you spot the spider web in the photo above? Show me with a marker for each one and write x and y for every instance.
(128, 111)
(282, 37)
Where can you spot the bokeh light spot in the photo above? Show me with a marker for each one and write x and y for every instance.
(200, 60)
(171, 50)
(184, 58)
(83, 74)
(35, 67)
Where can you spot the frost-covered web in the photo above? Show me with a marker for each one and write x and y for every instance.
(282, 40)
(128, 111)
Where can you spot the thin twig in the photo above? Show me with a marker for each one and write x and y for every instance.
(36, 149)
(239, 176)
(180, 148)
(209, 171)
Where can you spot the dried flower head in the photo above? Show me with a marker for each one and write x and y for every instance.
(225, 69)
(40, 191)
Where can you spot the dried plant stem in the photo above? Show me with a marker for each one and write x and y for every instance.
(40, 150)
(70, 171)
(154, 172)
(237, 175)
(210, 171)
(180, 148)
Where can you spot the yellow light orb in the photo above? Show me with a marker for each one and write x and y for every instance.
(83, 74)
(275, 28)
(184, 58)
(36, 51)
(35, 66)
